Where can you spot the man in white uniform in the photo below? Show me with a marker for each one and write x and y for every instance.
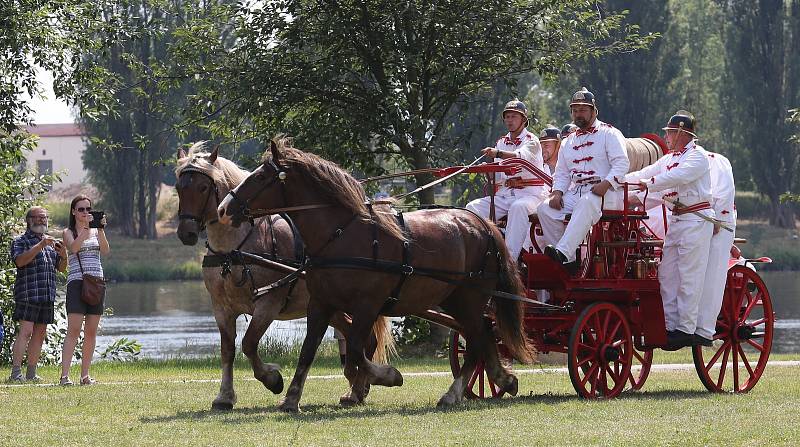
(722, 196)
(589, 160)
(518, 196)
(683, 176)
(568, 129)
(550, 138)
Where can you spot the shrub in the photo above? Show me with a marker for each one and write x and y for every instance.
(59, 214)
(752, 205)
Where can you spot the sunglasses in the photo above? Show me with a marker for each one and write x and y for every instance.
(84, 210)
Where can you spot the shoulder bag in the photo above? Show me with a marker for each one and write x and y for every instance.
(93, 288)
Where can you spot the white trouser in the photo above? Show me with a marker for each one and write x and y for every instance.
(716, 275)
(586, 209)
(682, 271)
(655, 221)
(517, 208)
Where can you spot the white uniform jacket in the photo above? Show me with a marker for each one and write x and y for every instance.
(590, 156)
(682, 176)
(527, 147)
(723, 190)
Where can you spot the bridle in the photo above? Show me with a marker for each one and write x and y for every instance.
(199, 219)
(280, 176)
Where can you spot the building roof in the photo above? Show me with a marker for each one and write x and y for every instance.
(56, 130)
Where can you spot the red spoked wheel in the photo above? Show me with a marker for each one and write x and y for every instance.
(600, 352)
(479, 386)
(744, 335)
(641, 361)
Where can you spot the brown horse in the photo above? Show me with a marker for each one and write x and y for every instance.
(357, 260)
(202, 177)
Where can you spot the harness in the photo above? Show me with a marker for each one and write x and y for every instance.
(237, 257)
(374, 263)
(404, 268)
(200, 222)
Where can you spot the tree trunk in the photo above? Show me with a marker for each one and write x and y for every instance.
(141, 203)
(782, 214)
(420, 161)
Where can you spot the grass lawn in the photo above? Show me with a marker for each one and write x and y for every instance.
(155, 407)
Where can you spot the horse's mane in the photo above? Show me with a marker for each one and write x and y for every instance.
(223, 171)
(337, 185)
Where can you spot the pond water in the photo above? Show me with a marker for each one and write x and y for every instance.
(173, 318)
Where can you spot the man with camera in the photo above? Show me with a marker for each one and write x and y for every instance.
(37, 256)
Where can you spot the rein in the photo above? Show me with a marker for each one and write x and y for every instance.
(373, 264)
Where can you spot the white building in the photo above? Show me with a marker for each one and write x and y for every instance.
(60, 149)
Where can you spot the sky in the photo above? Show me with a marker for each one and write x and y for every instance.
(49, 110)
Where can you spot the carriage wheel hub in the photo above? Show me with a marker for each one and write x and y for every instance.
(610, 354)
(745, 332)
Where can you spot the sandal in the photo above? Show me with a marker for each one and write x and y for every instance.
(17, 377)
(65, 381)
(87, 380)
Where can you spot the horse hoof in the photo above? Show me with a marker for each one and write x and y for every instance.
(446, 401)
(397, 380)
(391, 378)
(513, 387)
(277, 384)
(273, 381)
(221, 406)
(289, 407)
(349, 400)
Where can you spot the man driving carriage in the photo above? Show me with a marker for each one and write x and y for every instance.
(682, 177)
(583, 185)
(517, 196)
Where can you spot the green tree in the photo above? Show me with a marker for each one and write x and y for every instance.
(629, 87)
(762, 81)
(36, 35)
(355, 80)
(132, 142)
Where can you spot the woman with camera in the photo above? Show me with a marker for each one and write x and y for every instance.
(86, 240)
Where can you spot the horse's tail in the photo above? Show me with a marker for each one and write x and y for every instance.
(382, 329)
(509, 313)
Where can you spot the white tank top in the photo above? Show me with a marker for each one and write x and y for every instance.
(90, 259)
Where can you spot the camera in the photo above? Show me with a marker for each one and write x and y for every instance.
(97, 216)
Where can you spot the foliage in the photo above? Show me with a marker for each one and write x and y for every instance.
(411, 331)
(19, 190)
(58, 212)
(131, 146)
(762, 81)
(789, 197)
(50, 35)
(121, 350)
(362, 82)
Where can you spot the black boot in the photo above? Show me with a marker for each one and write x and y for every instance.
(678, 339)
(555, 255)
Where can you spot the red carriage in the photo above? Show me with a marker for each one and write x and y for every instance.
(607, 316)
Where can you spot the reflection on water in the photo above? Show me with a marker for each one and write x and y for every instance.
(784, 288)
(173, 318)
